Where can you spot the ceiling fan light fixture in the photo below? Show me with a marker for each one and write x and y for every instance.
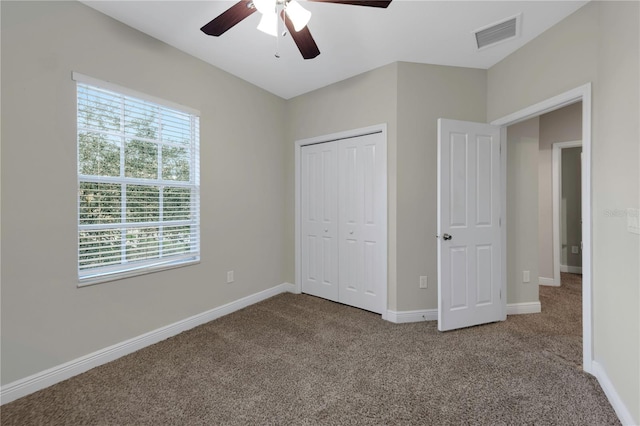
(269, 24)
(265, 6)
(299, 15)
(295, 19)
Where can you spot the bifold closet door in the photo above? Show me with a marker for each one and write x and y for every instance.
(362, 216)
(319, 213)
(343, 211)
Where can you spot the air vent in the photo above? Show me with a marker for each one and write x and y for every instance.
(495, 33)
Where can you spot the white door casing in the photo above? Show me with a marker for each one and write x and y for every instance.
(319, 182)
(578, 94)
(469, 234)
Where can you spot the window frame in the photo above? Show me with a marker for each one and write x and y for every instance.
(140, 267)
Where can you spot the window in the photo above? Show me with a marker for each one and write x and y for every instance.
(138, 183)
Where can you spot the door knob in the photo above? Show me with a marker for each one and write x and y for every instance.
(446, 237)
(326, 230)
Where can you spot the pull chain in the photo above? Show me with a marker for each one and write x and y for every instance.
(277, 55)
(277, 34)
(284, 29)
(284, 18)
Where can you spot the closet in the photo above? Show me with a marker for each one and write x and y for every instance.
(343, 220)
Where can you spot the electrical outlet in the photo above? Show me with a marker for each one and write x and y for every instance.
(526, 276)
(423, 282)
(229, 277)
(574, 249)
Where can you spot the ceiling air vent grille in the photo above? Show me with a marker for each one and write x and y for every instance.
(496, 33)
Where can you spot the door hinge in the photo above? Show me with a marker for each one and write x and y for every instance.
(500, 222)
(500, 294)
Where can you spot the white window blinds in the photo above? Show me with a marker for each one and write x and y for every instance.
(138, 185)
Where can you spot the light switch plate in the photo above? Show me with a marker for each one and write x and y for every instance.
(633, 220)
(423, 281)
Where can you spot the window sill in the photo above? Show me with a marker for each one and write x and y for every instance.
(143, 270)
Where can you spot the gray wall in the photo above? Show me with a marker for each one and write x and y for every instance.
(570, 208)
(426, 93)
(361, 101)
(409, 98)
(46, 319)
(561, 125)
(522, 210)
(600, 44)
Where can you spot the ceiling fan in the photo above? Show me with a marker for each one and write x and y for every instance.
(295, 18)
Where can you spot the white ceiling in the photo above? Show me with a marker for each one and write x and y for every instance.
(351, 39)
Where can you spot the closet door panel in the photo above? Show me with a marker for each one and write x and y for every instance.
(362, 209)
(319, 212)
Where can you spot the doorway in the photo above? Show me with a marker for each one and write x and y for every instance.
(583, 94)
(555, 128)
(567, 211)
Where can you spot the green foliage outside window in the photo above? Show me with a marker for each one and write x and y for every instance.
(121, 137)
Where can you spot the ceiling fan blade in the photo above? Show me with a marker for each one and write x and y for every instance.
(303, 38)
(370, 3)
(227, 19)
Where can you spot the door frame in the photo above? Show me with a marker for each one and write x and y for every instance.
(348, 134)
(556, 182)
(581, 93)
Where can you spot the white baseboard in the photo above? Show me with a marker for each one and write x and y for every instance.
(610, 391)
(51, 376)
(548, 281)
(524, 308)
(571, 269)
(401, 317)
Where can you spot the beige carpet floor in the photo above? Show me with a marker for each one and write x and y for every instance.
(297, 359)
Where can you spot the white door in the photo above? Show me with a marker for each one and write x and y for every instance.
(469, 238)
(362, 216)
(343, 212)
(319, 210)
